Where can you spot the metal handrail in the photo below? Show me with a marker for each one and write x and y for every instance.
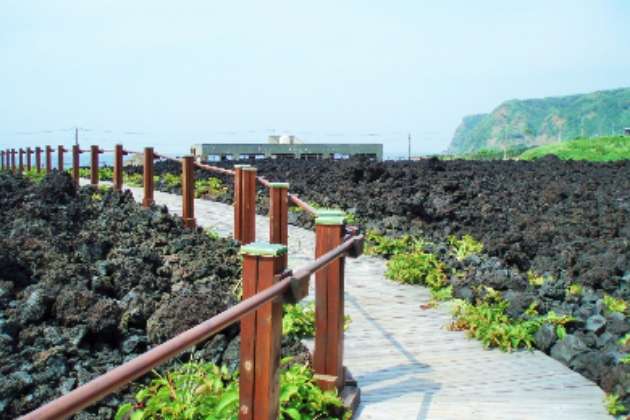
(102, 386)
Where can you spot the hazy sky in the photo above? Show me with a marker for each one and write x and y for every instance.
(172, 73)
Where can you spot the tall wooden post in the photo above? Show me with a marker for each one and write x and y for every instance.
(60, 151)
(238, 197)
(261, 334)
(94, 151)
(21, 162)
(28, 158)
(38, 159)
(188, 192)
(329, 303)
(118, 164)
(13, 160)
(279, 214)
(147, 201)
(244, 204)
(76, 155)
(2, 160)
(48, 159)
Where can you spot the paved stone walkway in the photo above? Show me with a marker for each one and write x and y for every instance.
(408, 365)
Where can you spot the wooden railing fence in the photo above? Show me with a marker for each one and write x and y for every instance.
(266, 285)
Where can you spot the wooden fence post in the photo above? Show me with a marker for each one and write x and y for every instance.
(94, 165)
(329, 303)
(147, 201)
(48, 159)
(279, 214)
(38, 159)
(60, 151)
(13, 160)
(244, 204)
(21, 161)
(188, 192)
(261, 334)
(76, 152)
(28, 158)
(238, 197)
(118, 164)
(2, 160)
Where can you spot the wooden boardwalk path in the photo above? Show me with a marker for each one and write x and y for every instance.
(408, 365)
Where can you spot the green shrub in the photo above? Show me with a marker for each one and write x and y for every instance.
(488, 322)
(377, 244)
(534, 279)
(35, 176)
(211, 187)
(625, 340)
(106, 173)
(205, 391)
(575, 289)
(133, 180)
(439, 295)
(299, 320)
(613, 405)
(464, 247)
(613, 304)
(171, 181)
(417, 268)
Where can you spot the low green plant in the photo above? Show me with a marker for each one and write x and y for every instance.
(106, 173)
(170, 180)
(191, 391)
(199, 390)
(614, 405)
(465, 246)
(625, 340)
(613, 304)
(417, 268)
(133, 180)
(575, 289)
(211, 233)
(211, 187)
(535, 280)
(488, 322)
(625, 359)
(299, 320)
(35, 176)
(377, 244)
(442, 294)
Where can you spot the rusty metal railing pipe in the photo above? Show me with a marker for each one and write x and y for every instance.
(216, 169)
(303, 205)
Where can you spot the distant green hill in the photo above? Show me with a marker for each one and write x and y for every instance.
(535, 122)
(597, 149)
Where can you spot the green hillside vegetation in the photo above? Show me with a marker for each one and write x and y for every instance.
(535, 122)
(601, 149)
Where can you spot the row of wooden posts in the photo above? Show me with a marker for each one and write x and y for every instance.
(264, 263)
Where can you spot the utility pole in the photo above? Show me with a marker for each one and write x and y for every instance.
(409, 146)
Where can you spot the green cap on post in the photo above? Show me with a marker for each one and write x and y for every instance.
(330, 217)
(284, 185)
(330, 212)
(263, 249)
